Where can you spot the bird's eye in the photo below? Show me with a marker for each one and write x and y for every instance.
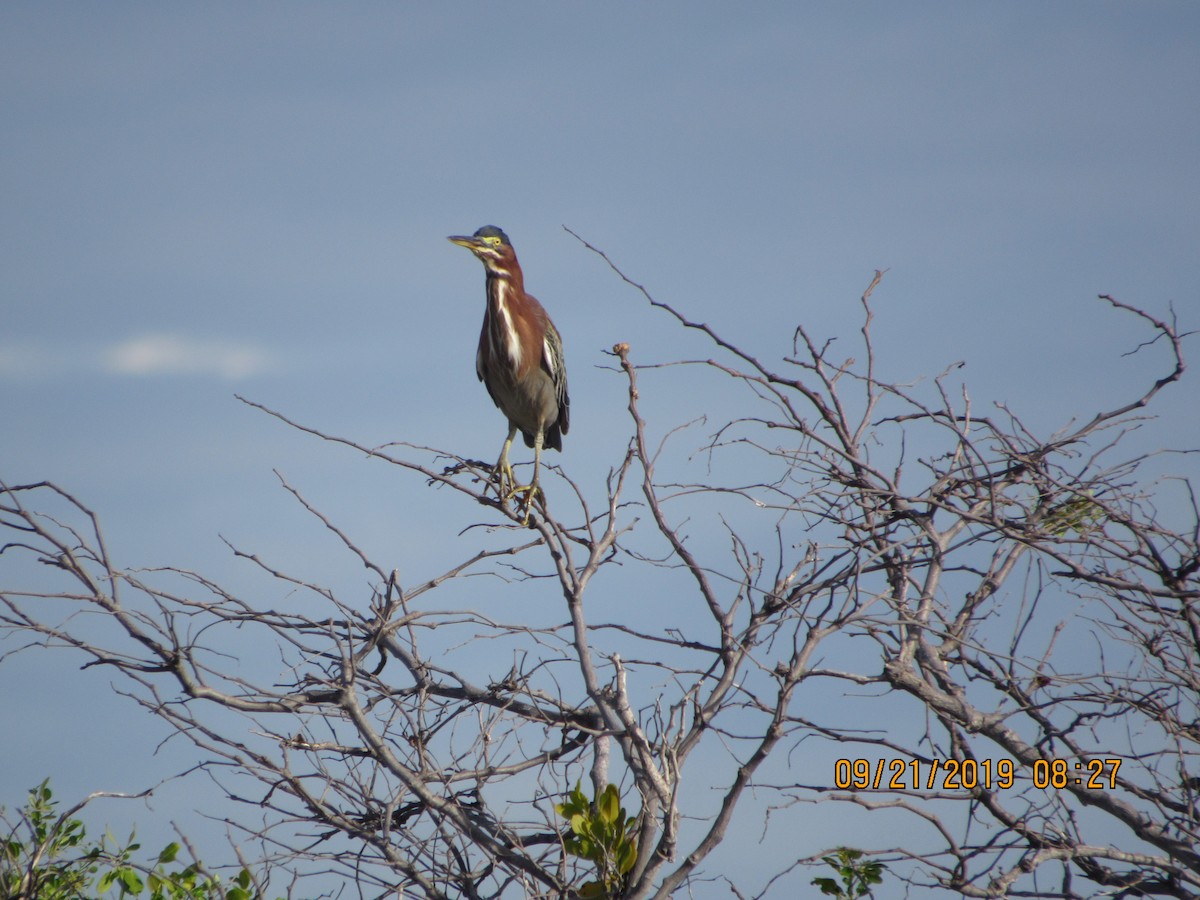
(492, 241)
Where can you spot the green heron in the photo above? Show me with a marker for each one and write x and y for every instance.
(519, 360)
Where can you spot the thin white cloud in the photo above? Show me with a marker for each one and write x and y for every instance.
(147, 355)
(170, 354)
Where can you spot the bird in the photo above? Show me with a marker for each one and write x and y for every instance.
(519, 360)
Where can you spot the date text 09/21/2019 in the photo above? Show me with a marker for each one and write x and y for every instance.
(970, 774)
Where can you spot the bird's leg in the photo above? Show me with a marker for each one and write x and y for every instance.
(533, 488)
(502, 472)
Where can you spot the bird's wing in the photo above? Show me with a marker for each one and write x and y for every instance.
(555, 365)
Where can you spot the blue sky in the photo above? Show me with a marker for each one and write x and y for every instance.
(203, 200)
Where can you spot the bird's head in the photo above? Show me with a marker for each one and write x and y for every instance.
(492, 247)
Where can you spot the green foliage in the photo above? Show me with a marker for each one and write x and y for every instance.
(45, 875)
(1080, 514)
(603, 834)
(45, 857)
(857, 877)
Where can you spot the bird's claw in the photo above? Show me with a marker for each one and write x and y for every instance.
(502, 475)
(507, 488)
(530, 491)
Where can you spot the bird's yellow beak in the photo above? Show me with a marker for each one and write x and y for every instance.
(464, 240)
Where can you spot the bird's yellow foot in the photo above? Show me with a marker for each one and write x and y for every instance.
(530, 491)
(506, 483)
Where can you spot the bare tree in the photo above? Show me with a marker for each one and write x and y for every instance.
(872, 601)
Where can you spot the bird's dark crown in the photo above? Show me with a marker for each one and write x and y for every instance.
(493, 232)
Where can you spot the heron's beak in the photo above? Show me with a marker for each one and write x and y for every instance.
(463, 240)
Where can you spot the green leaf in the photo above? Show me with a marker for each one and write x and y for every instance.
(169, 853)
(627, 857)
(579, 824)
(609, 804)
(130, 882)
